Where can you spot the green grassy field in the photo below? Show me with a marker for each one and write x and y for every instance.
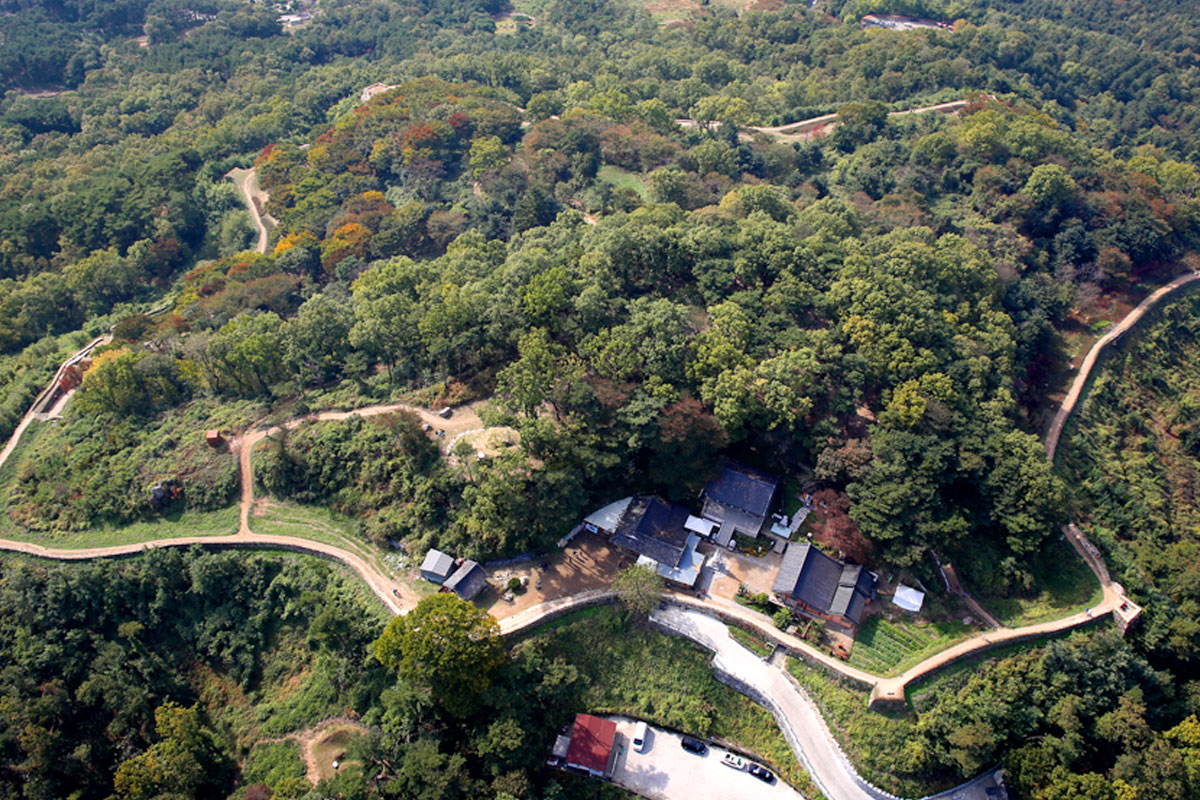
(285, 518)
(870, 739)
(171, 526)
(623, 179)
(886, 647)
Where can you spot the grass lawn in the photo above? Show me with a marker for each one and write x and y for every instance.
(285, 518)
(665, 680)
(8, 470)
(271, 762)
(171, 526)
(1065, 586)
(888, 647)
(623, 179)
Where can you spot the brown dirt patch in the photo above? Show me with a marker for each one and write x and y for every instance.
(492, 441)
(733, 569)
(588, 562)
(330, 744)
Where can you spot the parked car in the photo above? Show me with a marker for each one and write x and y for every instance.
(639, 737)
(762, 773)
(730, 760)
(693, 745)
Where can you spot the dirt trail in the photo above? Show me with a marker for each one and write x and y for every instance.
(399, 597)
(35, 409)
(464, 419)
(246, 181)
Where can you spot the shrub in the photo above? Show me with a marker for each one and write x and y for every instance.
(782, 618)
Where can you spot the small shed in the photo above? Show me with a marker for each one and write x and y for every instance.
(437, 566)
(213, 437)
(467, 581)
(908, 598)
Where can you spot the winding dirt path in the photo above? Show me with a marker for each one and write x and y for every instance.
(252, 194)
(399, 598)
(464, 419)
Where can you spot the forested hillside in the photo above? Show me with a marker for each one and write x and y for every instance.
(586, 221)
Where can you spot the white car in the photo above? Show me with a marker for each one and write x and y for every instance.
(730, 760)
(639, 737)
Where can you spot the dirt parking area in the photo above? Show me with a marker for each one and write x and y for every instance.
(667, 771)
(588, 562)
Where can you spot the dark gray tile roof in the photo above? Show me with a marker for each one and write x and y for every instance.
(467, 581)
(789, 568)
(743, 487)
(653, 528)
(824, 583)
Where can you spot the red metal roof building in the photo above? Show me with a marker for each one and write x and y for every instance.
(592, 741)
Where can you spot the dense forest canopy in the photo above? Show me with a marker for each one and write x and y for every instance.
(577, 221)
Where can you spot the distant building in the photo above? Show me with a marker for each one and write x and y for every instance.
(293, 20)
(467, 581)
(437, 566)
(739, 500)
(213, 437)
(898, 23)
(592, 746)
(374, 89)
(823, 586)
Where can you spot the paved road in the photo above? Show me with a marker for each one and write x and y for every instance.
(1085, 369)
(665, 771)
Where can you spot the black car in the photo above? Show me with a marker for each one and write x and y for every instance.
(762, 773)
(693, 745)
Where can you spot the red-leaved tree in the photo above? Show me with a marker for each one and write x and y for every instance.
(838, 531)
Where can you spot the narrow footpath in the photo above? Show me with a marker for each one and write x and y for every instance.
(246, 181)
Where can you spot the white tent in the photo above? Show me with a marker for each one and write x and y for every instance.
(908, 598)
